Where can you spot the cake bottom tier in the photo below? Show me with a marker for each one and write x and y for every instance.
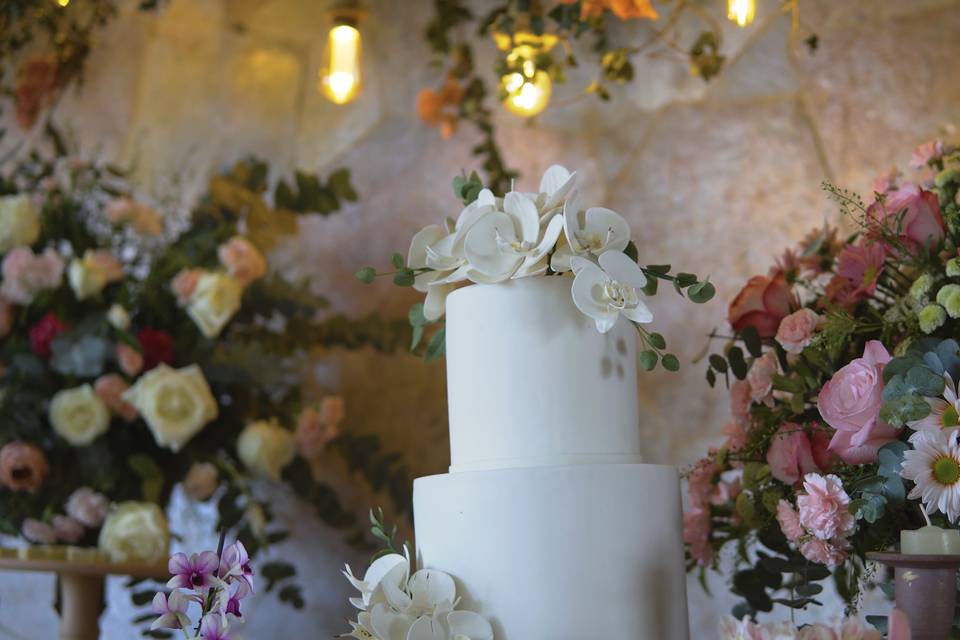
(560, 553)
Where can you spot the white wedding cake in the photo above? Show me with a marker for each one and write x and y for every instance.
(549, 522)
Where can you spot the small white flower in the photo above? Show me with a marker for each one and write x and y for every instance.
(589, 233)
(509, 243)
(610, 290)
(934, 465)
(944, 413)
(118, 317)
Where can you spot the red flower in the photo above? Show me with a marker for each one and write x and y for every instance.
(157, 347)
(43, 333)
(762, 303)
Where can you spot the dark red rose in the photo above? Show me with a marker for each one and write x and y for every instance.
(157, 347)
(43, 333)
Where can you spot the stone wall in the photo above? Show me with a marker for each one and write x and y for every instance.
(716, 178)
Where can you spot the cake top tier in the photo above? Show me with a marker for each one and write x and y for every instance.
(531, 382)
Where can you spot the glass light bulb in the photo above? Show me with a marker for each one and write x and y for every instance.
(340, 75)
(529, 92)
(741, 11)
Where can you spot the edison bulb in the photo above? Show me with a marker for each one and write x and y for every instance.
(340, 75)
(741, 11)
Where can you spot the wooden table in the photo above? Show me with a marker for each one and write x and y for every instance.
(82, 588)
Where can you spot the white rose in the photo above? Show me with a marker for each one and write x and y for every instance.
(19, 222)
(79, 415)
(175, 403)
(135, 531)
(118, 317)
(266, 448)
(214, 302)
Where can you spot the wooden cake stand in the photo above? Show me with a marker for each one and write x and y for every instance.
(925, 590)
(82, 588)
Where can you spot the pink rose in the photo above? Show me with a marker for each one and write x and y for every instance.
(23, 467)
(760, 376)
(929, 152)
(790, 455)
(6, 317)
(823, 552)
(201, 481)
(129, 359)
(184, 284)
(67, 529)
(789, 521)
(696, 535)
(38, 532)
(87, 507)
(824, 507)
(110, 388)
(820, 438)
(26, 274)
(761, 304)
(740, 400)
(913, 213)
(242, 260)
(796, 330)
(850, 403)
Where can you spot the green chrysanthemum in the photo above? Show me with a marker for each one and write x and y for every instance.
(921, 286)
(953, 267)
(931, 318)
(949, 298)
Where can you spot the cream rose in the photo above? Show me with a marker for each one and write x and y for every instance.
(19, 222)
(175, 403)
(135, 531)
(78, 415)
(266, 448)
(214, 302)
(88, 276)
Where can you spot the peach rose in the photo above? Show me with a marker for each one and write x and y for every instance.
(143, 219)
(184, 284)
(796, 330)
(23, 466)
(110, 389)
(242, 260)
(760, 376)
(26, 274)
(316, 429)
(129, 359)
(762, 304)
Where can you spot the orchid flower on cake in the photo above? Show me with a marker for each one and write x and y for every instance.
(551, 233)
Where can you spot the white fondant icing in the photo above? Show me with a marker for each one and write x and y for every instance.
(560, 553)
(530, 380)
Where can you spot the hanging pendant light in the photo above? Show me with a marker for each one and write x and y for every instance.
(525, 88)
(741, 11)
(341, 70)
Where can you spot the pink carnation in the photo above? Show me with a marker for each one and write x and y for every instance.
(796, 330)
(824, 507)
(242, 260)
(87, 507)
(789, 521)
(850, 403)
(702, 482)
(760, 376)
(928, 152)
(67, 529)
(129, 359)
(38, 532)
(736, 433)
(696, 535)
(886, 181)
(110, 388)
(740, 400)
(823, 552)
(26, 274)
(184, 284)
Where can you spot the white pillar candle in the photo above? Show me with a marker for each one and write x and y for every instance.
(930, 540)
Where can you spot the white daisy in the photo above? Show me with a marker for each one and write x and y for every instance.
(934, 465)
(944, 412)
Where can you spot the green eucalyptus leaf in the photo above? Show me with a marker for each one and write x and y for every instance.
(437, 345)
(738, 366)
(670, 362)
(648, 359)
(701, 292)
(657, 341)
(752, 341)
(366, 275)
(631, 251)
(397, 261)
(718, 362)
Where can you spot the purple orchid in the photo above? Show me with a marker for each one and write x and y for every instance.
(172, 610)
(214, 627)
(232, 606)
(235, 563)
(198, 572)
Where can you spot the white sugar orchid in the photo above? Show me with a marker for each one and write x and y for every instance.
(610, 290)
(511, 243)
(555, 186)
(589, 233)
(395, 605)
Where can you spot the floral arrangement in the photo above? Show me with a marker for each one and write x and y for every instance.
(842, 368)
(216, 583)
(547, 233)
(397, 605)
(141, 351)
(849, 629)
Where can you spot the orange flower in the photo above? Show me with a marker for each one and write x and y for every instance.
(440, 108)
(623, 9)
(36, 83)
